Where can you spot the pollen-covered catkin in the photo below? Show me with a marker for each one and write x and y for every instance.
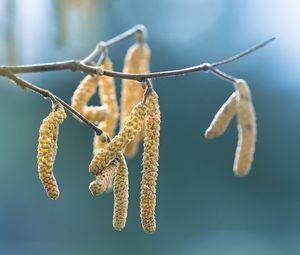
(47, 149)
(98, 186)
(129, 131)
(136, 61)
(247, 129)
(108, 98)
(222, 118)
(150, 164)
(120, 195)
(83, 93)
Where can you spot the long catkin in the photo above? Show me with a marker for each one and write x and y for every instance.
(222, 118)
(108, 98)
(150, 164)
(120, 195)
(47, 148)
(83, 93)
(136, 61)
(247, 129)
(129, 131)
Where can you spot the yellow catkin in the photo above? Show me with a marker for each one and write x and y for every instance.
(120, 195)
(150, 164)
(136, 61)
(222, 118)
(247, 130)
(129, 131)
(47, 149)
(108, 98)
(83, 93)
(98, 186)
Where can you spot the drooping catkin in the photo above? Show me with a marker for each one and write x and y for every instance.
(47, 147)
(83, 93)
(247, 129)
(129, 131)
(222, 118)
(120, 195)
(108, 98)
(150, 164)
(136, 61)
(99, 185)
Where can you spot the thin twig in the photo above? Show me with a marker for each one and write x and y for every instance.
(113, 41)
(47, 94)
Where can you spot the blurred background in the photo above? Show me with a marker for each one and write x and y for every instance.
(202, 208)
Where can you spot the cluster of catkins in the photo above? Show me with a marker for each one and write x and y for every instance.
(139, 120)
(239, 103)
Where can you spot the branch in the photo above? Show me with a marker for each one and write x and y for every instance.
(74, 65)
(87, 67)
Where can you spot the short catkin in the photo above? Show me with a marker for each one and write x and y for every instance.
(47, 147)
(136, 61)
(120, 195)
(83, 93)
(222, 118)
(150, 164)
(98, 186)
(108, 98)
(247, 129)
(129, 131)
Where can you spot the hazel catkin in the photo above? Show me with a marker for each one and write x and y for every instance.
(108, 98)
(47, 147)
(136, 61)
(150, 164)
(83, 93)
(98, 186)
(120, 195)
(129, 131)
(222, 118)
(247, 129)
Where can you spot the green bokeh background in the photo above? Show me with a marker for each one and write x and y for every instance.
(202, 208)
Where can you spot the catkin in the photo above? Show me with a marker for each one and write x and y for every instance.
(108, 98)
(47, 148)
(150, 164)
(129, 131)
(83, 93)
(136, 61)
(222, 118)
(98, 186)
(247, 129)
(120, 195)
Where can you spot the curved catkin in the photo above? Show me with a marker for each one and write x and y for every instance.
(222, 118)
(247, 130)
(99, 186)
(83, 93)
(108, 98)
(129, 131)
(47, 149)
(136, 61)
(120, 195)
(150, 164)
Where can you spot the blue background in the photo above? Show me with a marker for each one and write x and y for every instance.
(202, 207)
